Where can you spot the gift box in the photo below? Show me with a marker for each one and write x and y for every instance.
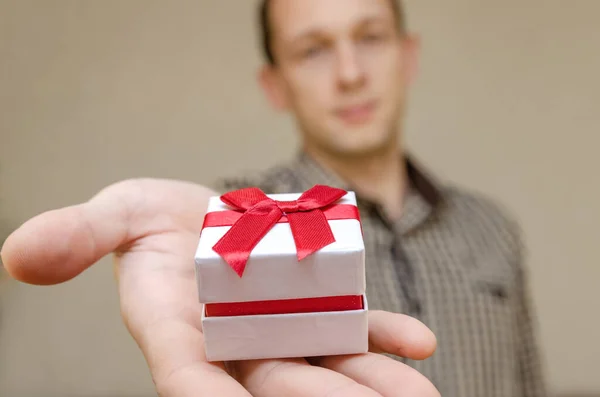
(282, 275)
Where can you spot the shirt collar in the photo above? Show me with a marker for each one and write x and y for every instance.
(423, 196)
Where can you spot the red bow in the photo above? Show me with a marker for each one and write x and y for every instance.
(309, 225)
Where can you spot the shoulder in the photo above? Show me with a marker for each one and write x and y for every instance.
(489, 221)
(481, 206)
(279, 178)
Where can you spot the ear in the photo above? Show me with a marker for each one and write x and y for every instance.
(412, 52)
(273, 87)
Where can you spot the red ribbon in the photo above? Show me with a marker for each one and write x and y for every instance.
(229, 218)
(305, 215)
(286, 306)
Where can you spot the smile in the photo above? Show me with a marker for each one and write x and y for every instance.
(357, 114)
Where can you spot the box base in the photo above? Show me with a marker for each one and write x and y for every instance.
(286, 335)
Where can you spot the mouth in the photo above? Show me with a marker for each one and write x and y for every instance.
(357, 114)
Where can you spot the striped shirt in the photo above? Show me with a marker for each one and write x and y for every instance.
(454, 260)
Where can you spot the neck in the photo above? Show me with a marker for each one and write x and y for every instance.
(379, 177)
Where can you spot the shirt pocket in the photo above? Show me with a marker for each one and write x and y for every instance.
(493, 284)
(492, 326)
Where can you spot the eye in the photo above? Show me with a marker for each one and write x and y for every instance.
(372, 37)
(312, 51)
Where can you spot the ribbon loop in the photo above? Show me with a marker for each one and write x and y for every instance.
(244, 199)
(309, 226)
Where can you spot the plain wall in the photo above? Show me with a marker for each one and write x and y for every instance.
(97, 91)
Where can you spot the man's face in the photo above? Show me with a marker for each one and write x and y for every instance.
(342, 68)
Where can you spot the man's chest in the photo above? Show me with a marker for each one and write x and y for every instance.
(463, 287)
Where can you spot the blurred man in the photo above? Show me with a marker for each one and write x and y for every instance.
(448, 258)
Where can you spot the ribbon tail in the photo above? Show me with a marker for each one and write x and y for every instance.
(239, 241)
(311, 232)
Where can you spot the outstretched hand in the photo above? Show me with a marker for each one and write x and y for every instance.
(151, 226)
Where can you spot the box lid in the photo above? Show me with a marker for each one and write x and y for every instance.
(273, 270)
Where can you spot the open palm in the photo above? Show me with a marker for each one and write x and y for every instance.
(152, 227)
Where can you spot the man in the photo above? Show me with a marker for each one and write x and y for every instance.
(450, 259)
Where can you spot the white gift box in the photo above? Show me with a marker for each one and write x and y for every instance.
(273, 274)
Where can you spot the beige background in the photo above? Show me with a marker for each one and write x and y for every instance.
(92, 92)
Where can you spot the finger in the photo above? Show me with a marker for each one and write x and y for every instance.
(57, 245)
(60, 244)
(295, 378)
(400, 335)
(382, 374)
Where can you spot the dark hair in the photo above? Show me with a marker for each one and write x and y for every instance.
(266, 28)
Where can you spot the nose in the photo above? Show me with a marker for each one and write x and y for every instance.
(351, 74)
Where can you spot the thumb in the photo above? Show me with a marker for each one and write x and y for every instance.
(57, 245)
